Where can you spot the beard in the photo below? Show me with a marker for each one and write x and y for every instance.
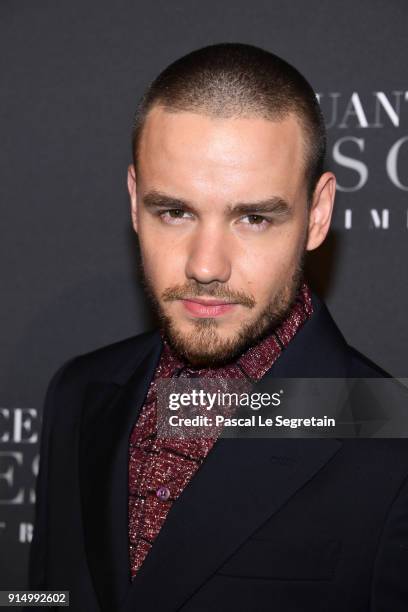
(204, 346)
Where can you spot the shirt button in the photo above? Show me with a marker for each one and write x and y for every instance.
(163, 493)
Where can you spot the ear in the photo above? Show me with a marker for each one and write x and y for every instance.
(131, 184)
(321, 210)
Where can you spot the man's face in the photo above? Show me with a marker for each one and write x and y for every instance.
(220, 208)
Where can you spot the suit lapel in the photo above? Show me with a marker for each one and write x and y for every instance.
(318, 349)
(241, 484)
(109, 412)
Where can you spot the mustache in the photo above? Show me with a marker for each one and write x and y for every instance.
(216, 290)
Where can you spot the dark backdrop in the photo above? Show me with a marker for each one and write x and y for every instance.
(71, 73)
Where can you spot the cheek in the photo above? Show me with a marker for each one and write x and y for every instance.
(270, 265)
(162, 263)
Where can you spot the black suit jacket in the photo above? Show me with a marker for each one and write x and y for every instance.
(283, 525)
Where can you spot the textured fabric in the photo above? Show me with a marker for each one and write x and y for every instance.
(160, 469)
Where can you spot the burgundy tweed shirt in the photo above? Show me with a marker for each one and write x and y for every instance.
(160, 469)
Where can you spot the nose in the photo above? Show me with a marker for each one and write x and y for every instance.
(209, 257)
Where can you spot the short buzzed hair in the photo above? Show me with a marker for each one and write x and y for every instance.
(237, 80)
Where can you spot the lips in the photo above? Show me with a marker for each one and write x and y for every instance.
(207, 308)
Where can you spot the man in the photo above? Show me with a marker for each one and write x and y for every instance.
(227, 194)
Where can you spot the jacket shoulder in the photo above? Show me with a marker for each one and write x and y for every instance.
(362, 367)
(113, 362)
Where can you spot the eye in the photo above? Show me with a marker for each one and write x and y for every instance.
(257, 222)
(174, 216)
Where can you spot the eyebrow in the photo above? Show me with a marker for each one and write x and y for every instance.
(274, 204)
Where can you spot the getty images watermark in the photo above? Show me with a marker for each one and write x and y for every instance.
(213, 401)
(208, 408)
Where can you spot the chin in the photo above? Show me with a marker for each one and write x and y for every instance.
(204, 345)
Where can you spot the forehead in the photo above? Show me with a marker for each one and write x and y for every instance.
(186, 150)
